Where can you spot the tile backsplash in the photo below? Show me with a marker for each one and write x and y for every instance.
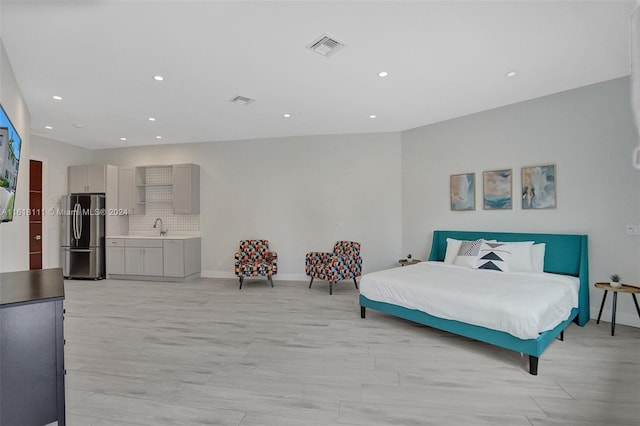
(143, 224)
(158, 204)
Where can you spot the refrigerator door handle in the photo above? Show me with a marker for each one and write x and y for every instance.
(79, 221)
(73, 222)
(76, 231)
(74, 250)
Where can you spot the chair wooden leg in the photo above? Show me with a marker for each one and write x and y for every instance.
(271, 281)
(310, 282)
(330, 288)
(355, 282)
(241, 280)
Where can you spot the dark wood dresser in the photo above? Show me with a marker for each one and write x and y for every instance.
(32, 348)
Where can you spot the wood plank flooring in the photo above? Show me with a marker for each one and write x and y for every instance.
(206, 353)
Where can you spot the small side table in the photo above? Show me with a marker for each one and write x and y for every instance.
(624, 289)
(406, 262)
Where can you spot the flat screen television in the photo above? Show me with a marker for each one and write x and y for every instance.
(10, 143)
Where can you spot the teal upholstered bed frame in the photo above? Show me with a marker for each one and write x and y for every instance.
(564, 254)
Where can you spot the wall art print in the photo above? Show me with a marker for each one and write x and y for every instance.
(539, 187)
(462, 191)
(497, 188)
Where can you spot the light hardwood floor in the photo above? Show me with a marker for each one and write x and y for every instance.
(206, 353)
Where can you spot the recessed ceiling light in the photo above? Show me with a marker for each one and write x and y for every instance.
(372, 116)
(158, 77)
(511, 74)
(123, 139)
(151, 119)
(78, 125)
(48, 127)
(286, 115)
(57, 98)
(158, 137)
(383, 74)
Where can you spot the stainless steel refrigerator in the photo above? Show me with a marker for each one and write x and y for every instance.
(83, 236)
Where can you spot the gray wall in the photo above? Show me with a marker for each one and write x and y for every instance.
(588, 133)
(301, 193)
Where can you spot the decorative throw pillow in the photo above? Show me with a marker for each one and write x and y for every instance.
(468, 253)
(494, 256)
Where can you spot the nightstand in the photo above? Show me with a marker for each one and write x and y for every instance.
(406, 262)
(633, 290)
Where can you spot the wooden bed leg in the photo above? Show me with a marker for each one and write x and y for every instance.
(533, 365)
(363, 312)
(562, 336)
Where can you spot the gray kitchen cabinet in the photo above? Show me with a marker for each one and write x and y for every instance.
(176, 186)
(115, 256)
(88, 178)
(143, 257)
(127, 192)
(186, 189)
(181, 257)
(175, 258)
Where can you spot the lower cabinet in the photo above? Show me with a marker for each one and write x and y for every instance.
(181, 257)
(155, 258)
(115, 256)
(143, 261)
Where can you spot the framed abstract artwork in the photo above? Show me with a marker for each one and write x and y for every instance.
(539, 187)
(497, 188)
(462, 191)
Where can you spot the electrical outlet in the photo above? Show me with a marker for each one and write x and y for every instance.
(633, 229)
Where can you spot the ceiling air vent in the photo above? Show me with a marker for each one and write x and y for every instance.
(242, 100)
(326, 46)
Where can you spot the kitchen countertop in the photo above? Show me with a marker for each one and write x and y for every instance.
(156, 237)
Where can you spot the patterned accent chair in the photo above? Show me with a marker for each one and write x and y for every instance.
(254, 258)
(343, 263)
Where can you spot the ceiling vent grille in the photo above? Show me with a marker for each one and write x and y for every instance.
(326, 46)
(242, 100)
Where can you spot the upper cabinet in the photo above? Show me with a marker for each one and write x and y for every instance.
(186, 189)
(127, 190)
(176, 186)
(91, 178)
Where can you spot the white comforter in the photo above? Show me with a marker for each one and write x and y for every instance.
(521, 304)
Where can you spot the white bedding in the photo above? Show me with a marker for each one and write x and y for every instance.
(521, 304)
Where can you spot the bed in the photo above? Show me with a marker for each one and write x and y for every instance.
(565, 261)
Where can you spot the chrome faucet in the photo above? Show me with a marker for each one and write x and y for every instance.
(155, 225)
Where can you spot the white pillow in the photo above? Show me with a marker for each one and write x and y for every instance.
(453, 246)
(494, 256)
(520, 257)
(468, 253)
(537, 257)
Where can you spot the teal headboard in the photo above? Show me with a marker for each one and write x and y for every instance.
(564, 254)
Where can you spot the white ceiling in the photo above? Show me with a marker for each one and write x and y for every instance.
(445, 59)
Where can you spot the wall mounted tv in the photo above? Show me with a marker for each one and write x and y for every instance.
(10, 143)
